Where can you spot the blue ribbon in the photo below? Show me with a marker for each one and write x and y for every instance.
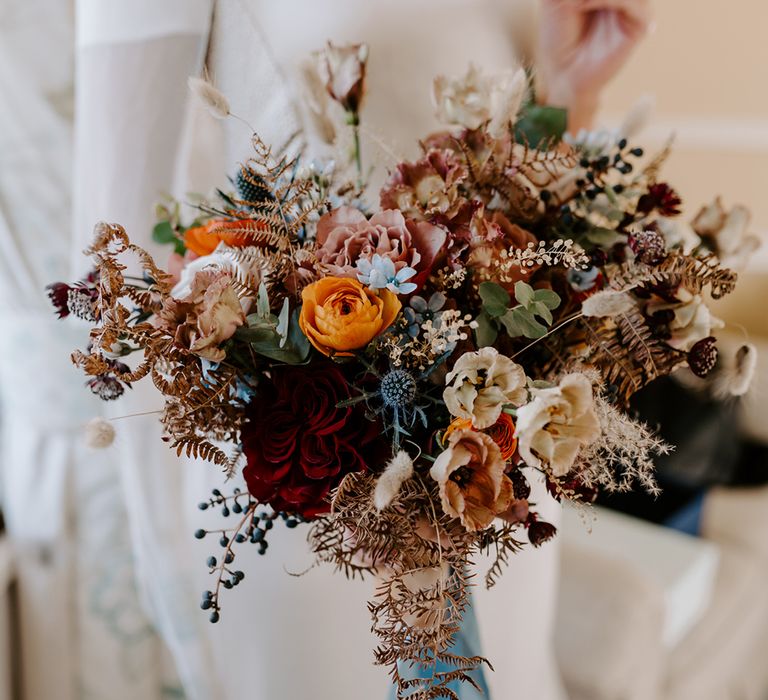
(466, 643)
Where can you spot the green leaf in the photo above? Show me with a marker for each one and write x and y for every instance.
(164, 234)
(520, 322)
(262, 301)
(486, 331)
(605, 237)
(539, 308)
(282, 322)
(495, 298)
(547, 297)
(540, 123)
(523, 293)
(293, 349)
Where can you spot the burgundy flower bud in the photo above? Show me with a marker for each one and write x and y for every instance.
(649, 247)
(702, 357)
(539, 531)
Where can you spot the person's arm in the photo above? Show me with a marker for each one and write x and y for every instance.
(581, 45)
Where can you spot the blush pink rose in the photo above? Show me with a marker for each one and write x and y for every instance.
(345, 236)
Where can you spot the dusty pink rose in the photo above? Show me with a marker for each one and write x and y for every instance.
(426, 187)
(206, 317)
(345, 235)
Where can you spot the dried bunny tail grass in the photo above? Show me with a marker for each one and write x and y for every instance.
(99, 433)
(212, 98)
(397, 472)
(623, 454)
(607, 302)
(735, 378)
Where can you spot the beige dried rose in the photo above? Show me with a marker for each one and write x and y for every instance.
(206, 317)
(475, 99)
(470, 475)
(342, 69)
(553, 427)
(481, 383)
(727, 232)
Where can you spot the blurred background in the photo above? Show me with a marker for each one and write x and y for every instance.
(658, 598)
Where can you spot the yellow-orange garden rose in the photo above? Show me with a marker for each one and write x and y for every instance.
(340, 314)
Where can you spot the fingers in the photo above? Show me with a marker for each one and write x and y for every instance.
(638, 12)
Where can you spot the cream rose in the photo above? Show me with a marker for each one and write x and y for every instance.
(481, 383)
(552, 428)
(692, 322)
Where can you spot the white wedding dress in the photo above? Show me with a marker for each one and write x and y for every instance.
(83, 632)
(280, 637)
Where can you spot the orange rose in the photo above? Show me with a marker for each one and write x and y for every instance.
(339, 314)
(203, 240)
(502, 432)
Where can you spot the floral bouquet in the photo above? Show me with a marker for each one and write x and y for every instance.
(397, 376)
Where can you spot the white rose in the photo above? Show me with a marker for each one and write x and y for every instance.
(474, 99)
(553, 427)
(481, 383)
(693, 320)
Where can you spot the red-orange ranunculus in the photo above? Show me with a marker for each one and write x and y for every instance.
(502, 432)
(339, 314)
(203, 240)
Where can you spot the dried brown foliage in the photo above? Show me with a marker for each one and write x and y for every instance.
(421, 558)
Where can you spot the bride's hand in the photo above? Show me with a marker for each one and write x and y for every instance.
(581, 45)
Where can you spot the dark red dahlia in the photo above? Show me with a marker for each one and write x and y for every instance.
(662, 198)
(298, 444)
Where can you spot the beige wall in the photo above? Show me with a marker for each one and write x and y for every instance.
(706, 65)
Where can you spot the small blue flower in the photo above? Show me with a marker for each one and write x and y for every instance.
(583, 280)
(421, 310)
(380, 273)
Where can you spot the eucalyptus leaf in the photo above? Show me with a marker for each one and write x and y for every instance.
(605, 237)
(164, 234)
(523, 293)
(539, 308)
(539, 123)
(486, 332)
(495, 298)
(520, 322)
(547, 297)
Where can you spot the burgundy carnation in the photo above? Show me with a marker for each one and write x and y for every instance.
(662, 198)
(298, 444)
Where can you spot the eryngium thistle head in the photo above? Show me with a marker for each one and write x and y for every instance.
(398, 388)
